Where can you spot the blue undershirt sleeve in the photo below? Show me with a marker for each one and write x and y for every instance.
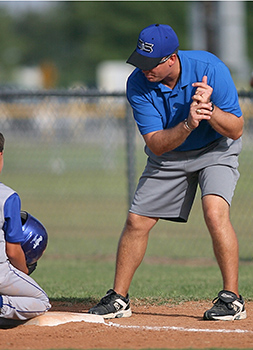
(13, 226)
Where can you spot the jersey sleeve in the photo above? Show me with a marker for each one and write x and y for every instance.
(13, 226)
(224, 94)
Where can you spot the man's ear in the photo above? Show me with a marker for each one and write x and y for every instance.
(172, 59)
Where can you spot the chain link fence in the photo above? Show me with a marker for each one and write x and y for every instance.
(75, 158)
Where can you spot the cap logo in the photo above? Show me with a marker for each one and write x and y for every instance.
(144, 46)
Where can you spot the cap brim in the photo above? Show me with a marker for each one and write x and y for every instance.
(143, 62)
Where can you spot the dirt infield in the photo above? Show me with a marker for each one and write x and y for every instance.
(172, 327)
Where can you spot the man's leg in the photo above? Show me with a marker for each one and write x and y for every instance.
(225, 244)
(229, 305)
(131, 250)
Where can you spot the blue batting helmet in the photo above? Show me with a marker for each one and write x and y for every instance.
(35, 237)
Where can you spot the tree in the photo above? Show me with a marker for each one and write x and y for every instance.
(76, 36)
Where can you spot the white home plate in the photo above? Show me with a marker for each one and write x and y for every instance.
(57, 318)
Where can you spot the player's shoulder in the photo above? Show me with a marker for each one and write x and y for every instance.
(4, 187)
(197, 56)
(136, 80)
(136, 74)
(5, 191)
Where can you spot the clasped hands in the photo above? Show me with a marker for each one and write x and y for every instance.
(201, 107)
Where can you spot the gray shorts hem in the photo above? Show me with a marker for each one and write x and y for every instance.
(175, 218)
(218, 195)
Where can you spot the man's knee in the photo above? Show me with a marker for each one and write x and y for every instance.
(139, 223)
(216, 210)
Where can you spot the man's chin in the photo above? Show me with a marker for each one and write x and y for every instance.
(151, 78)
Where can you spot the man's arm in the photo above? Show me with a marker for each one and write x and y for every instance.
(16, 256)
(13, 233)
(166, 140)
(225, 123)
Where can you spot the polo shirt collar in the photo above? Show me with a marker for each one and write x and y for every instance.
(185, 77)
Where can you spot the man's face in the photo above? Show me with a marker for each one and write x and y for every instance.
(158, 73)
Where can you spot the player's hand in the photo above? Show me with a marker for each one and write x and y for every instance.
(198, 112)
(201, 107)
(31, 267)
(203, 92)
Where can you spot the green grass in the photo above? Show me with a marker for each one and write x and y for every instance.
(81, 198)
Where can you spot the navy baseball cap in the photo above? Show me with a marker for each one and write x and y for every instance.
(155, 42)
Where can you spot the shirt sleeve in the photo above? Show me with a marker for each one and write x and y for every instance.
(146, 115)
(225, 94)
(13, 226)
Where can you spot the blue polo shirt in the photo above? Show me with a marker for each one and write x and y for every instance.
(157, 107)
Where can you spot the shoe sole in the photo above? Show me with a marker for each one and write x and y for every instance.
(119, 314)
(241, 316)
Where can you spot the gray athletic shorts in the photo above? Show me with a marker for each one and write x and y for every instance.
(168, 184)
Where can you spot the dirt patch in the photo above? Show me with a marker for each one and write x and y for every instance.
(171, 326)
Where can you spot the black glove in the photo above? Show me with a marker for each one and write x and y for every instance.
(31, 267)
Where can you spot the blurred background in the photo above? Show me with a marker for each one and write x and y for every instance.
(45, 44)
(72, 149)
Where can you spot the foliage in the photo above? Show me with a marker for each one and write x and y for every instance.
(76, 36)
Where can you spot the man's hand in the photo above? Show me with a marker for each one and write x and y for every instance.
(201, 107)
(31, 267)
(203, 92)
(225, 123)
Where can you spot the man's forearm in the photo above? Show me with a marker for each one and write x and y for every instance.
(166, 140)
(226, 124)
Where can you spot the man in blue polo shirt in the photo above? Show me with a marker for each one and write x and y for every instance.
(186, 107)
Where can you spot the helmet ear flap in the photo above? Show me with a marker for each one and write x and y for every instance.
(35, 237)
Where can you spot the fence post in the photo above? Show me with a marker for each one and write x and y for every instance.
(130, 153)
